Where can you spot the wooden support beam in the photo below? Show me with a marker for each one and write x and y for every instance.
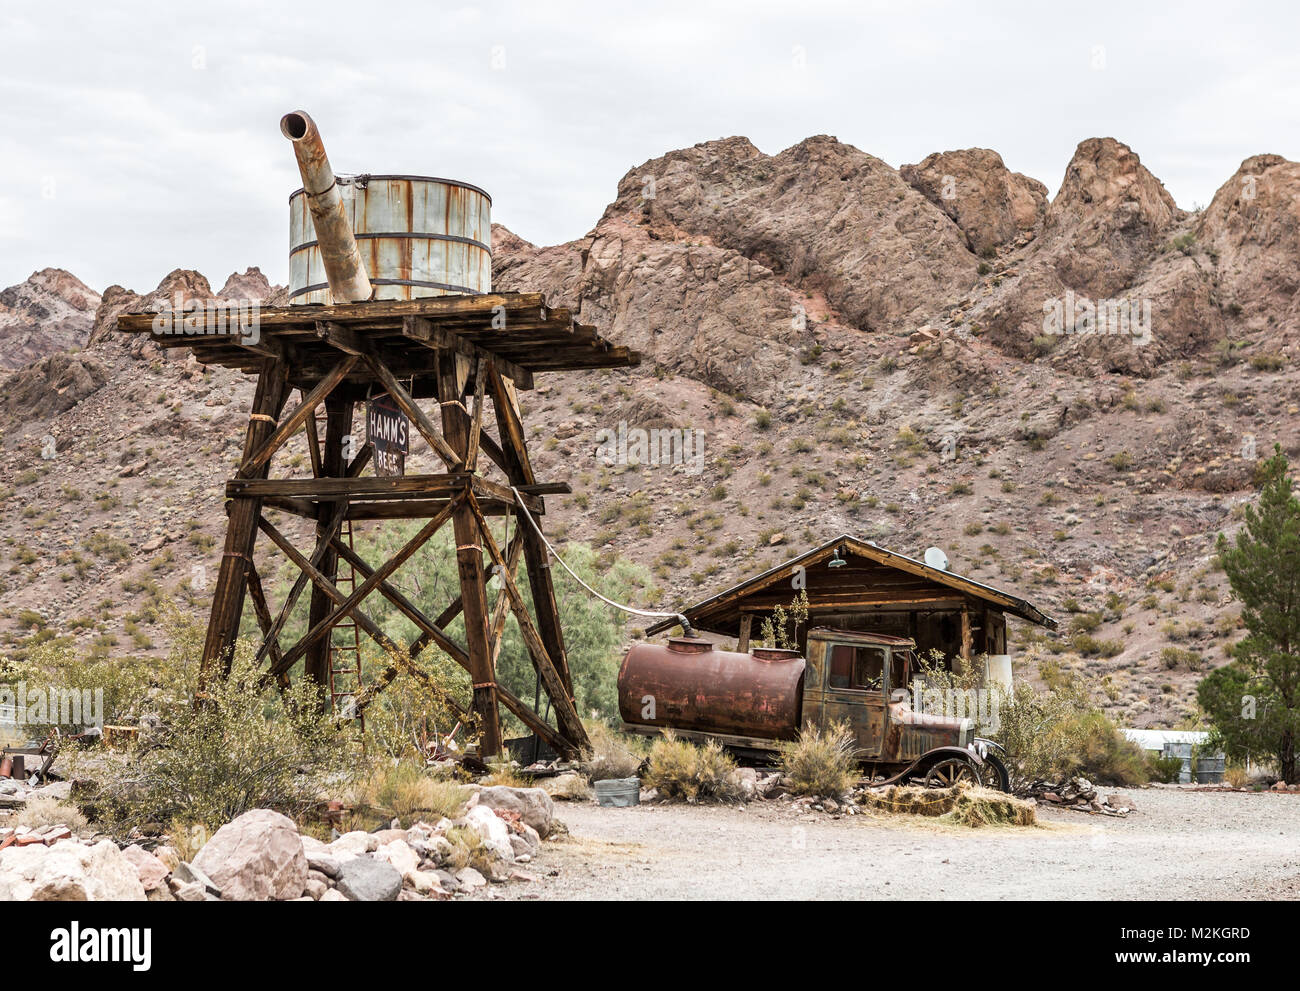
(501, 608)
(241, 529)
(746, 624)
(409, 487)
(519, 471)
(297, 418)
(263, 613)
(476, 424)
(321, 581)
(322, 627)
(338, 424)
(566, 714)
(469, 565)
(441, 338)
(313, 443)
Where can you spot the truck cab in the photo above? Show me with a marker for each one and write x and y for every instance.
(863, 680)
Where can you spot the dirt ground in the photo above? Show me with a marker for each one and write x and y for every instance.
(1180, 844)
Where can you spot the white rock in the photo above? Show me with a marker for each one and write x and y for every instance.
(70, 871)
(257, 857)
(400, 855)
(354, 844)
(492, 830)
(470, 878)
(333, 895)
(152, 871)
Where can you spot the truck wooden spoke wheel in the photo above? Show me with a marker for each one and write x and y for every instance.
(949, 771)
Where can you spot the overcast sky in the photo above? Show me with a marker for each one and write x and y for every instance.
(139, 137)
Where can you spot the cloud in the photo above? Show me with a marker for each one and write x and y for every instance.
(144, 137)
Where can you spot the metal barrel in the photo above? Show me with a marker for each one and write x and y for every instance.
(690, 685)
(417, 236)
(343, 269)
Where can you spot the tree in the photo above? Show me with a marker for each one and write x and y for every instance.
(1254, 702)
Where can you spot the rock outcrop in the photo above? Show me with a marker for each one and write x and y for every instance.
(51, 311)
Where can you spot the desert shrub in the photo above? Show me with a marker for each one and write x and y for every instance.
(681, 770)
(243, 746)
(1236, 776)
(822, 762)
(45, 810)
(1096, 749)
(405, 791)
(1164, 769)
(612, 754)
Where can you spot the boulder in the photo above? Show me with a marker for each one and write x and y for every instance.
(470, 878)
(69, 871)
(151, 870)
(334, 895)
(257, 857)
(364, 879)
(353, 844)
(533, 805)
(326, 863)
(400, 855)
(567, 787)
(492, 830)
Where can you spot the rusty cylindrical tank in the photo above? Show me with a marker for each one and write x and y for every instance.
(691, 685)
(332, 232)
(415, 236)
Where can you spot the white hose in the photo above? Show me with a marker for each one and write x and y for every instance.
(523, 511)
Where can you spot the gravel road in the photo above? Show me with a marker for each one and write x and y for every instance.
(1180, 844)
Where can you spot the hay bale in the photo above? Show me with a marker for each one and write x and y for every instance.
(962, 804)
(976, 807)
(911, 799)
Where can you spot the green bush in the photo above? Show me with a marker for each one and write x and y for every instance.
(822, 762)
(1164, 769)
(681, 770)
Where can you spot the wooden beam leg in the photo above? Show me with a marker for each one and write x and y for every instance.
(566, 714)
(338, 424)
(746, 624)
(241, 529)
(263, 612)
(519, 469)
(469, 563)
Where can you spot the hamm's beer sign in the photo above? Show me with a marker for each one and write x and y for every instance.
(388, 431)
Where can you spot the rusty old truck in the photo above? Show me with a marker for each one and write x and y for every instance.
(752, 703)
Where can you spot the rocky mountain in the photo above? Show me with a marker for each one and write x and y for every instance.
(52, 311)
(1068, 396)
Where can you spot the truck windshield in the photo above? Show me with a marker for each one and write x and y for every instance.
(857, 668)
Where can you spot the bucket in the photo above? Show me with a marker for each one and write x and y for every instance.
(619, 793)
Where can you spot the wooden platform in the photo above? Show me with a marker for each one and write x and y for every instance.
(466, 352)
(522, 334)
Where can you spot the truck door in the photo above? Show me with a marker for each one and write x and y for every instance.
(855, 692)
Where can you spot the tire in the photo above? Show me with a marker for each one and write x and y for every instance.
(994, 774)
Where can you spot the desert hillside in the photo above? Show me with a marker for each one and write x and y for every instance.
(867, 349)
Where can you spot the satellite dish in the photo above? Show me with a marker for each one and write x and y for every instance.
(936, 559)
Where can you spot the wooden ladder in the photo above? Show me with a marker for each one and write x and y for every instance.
(345, 644)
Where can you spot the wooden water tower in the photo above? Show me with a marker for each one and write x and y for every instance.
(418, 323)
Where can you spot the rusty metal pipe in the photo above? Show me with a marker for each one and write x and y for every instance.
(343, 266)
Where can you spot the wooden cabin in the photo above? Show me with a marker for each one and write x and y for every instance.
(855, 584)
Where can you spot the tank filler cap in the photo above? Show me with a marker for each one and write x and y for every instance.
(689, 645)
(774, 654)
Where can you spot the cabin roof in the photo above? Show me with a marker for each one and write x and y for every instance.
(726, 602)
